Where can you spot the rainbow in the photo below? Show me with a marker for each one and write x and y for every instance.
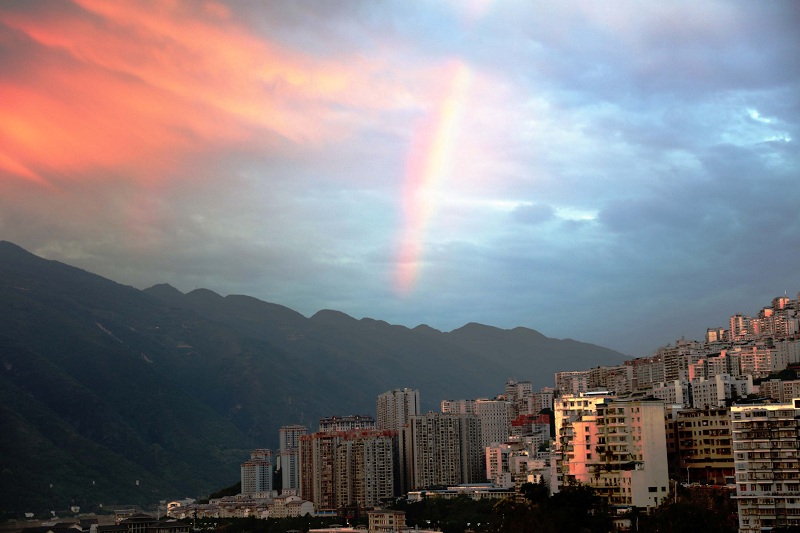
(427, 168)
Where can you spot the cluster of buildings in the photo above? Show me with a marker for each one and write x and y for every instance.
(483, 448)
(125, 521)
(695, 412)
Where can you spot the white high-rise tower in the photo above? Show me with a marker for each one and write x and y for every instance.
(290, 456)
(256, 473)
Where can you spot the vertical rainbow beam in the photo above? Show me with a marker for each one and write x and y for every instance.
(428, 166)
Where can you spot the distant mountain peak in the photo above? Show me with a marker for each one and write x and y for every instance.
(204, 294)
(528, 331)
(425, 328)
(329, 316)
(164, 290)
(476, 327)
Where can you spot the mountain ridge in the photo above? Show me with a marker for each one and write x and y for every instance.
(174, 389)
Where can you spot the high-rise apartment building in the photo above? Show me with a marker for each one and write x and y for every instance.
(776, 321)
(698, 370)
(543, 399)
(317, 460)
(516, 462)
(458, 407)
(741, 328)
(780, 391)
(394, 409)
(572, 382)
(788, 350)
(500, 463)
(527, 425)
(716, 335)
(444, 450)
(495, 417)
(646, 371)
(364, 469)
(719, 391)
(719, 364)
(618, 379)
(256, 473)
(703, 445)
(678, 358)
(617, 446)
(518, 390)
(346, 423)
(289, 437)
(767, 462)
(518, 393)
(343, 468)
(757, 360)
(675, 392)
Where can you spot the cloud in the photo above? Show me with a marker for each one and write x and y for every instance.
(143, 86)
(620, 175)
(534, 214)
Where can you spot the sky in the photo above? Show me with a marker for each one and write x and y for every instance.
(622, 173)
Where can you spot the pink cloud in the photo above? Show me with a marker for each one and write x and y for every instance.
(139, 87)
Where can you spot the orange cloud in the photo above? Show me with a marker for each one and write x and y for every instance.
(138, 86)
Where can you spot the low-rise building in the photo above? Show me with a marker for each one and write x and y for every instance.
(143, 523)
(475, 491)
(386, 521)
(290, 506)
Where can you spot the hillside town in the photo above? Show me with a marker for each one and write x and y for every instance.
(718, 412)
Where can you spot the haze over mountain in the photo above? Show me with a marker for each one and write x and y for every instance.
(109, 394)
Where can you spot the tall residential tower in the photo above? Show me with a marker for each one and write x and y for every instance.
(290, 456)
(257, 472)
(444, 449)
(394, 409)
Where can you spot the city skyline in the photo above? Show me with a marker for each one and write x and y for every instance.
(624, 176)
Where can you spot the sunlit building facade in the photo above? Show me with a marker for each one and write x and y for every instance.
(615, 445)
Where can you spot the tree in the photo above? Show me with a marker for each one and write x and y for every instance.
(535, 493)
(573, 510)
(576, 509)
